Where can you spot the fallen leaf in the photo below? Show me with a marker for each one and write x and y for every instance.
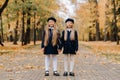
(9, 70)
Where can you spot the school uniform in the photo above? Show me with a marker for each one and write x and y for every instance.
(50, 50)
(69, 50)
(69, 46)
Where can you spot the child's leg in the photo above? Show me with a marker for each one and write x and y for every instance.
(66, 60)
(54, 62)
(47, 62)
(71, 63)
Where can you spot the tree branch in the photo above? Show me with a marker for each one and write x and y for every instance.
(4, 6)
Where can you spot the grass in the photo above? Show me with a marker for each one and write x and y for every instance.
(108, 49)
(112, 56)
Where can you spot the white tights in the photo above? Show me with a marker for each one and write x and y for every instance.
(68, 60)
(47, 62)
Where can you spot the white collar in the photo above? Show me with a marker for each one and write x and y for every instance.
(51, 28)
(69, 29)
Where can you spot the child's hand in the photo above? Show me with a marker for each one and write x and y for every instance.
(59, 51)
(77, 52)
(42, 49)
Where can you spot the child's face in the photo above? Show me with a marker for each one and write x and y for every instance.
(69, 24)
(51, 23)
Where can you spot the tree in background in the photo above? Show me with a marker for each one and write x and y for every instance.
(94, 20)
(20, 15)
(1, 28)
(113, 19)
(89, 20)
(82, 13)
(99, 21)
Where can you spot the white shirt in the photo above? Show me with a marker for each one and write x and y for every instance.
(51, 28)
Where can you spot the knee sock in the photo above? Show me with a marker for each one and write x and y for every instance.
(66, 60)
(54, 57)
(47, 62)
(71, 63)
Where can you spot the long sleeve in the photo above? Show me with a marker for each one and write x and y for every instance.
(76, 41)
(62, 40)
(43, 37)
(59, 41)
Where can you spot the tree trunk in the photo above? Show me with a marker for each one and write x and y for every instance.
(90, 38)
(34, 29)
(23, 29)
(97, 32)
(115, 25)
(15, 33)
(1, 10)
(4, 6)
(1, 42)
(27, 35)
(23, 26)
(1, 29)
(40, 33)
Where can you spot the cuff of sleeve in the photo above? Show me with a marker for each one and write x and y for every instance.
(42, 46)
(76, 49)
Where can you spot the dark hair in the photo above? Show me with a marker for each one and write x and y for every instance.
(51, 18)
(69, 19)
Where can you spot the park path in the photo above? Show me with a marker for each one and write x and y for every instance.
(28, 64)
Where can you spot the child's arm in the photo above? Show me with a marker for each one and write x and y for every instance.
(76, 41)
(62, 39)
(59, 41)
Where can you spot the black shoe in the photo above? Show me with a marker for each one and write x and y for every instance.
(71, 74)
(55, 73)
(65, 74)
(46, 73)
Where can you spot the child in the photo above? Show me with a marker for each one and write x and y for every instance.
(50, 45)
(69, 41)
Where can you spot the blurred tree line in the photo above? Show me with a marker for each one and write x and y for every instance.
(24, 20)
(99, 20)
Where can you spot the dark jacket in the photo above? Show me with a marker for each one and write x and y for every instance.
(69, 46)
(50, 49)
